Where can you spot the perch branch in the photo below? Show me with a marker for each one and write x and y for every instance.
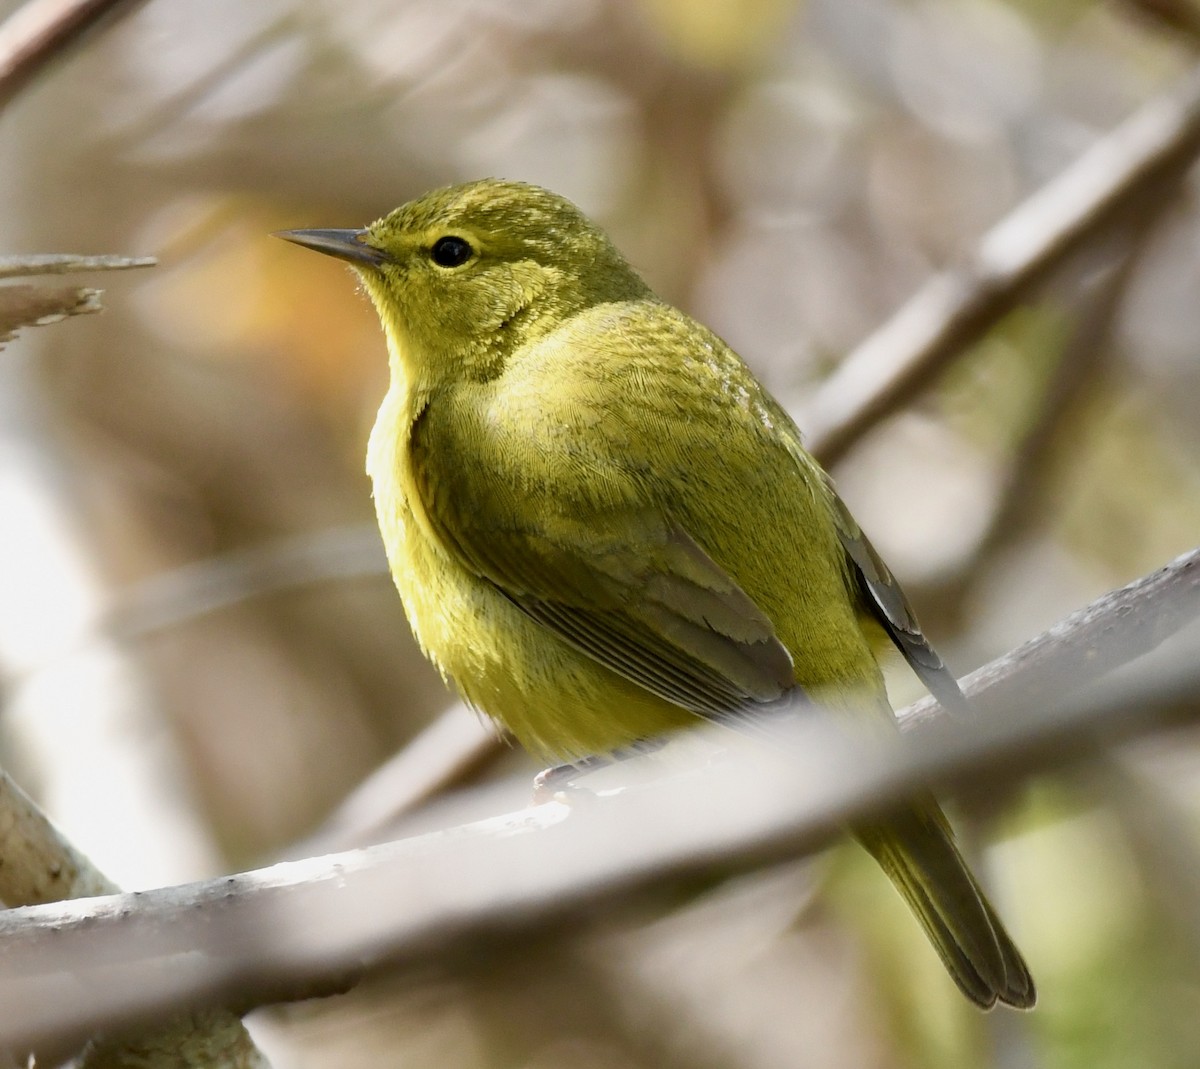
(306, 928)
(1113, 630)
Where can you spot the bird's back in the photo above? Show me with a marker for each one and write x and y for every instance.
(643, 388)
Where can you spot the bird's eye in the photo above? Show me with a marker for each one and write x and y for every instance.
(451, 251)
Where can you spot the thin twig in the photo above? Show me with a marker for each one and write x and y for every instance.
(955, 308)
(193, 590)
(307, 928)
(42, 30)
(62, 263)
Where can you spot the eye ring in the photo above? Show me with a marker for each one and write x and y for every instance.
(451, 251)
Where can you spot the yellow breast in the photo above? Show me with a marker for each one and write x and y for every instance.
(556, 701)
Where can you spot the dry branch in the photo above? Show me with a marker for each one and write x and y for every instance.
(1110, 632)
(30, 306)
(41, 30)
(65, 263)
(1111, 180)
(39, 866)
(306, 928)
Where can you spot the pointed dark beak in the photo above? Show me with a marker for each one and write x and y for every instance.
(344, 244)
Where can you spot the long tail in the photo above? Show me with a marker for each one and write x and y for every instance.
(918, 853)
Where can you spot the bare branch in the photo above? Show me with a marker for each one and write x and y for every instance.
(953, 309)
(1110, 632)
(40, 30)
(1086, 357)
(306, 928)
(41, 866)
(62, 263)
(29, 306)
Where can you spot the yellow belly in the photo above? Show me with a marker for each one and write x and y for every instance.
(555, 700)
(558, 702)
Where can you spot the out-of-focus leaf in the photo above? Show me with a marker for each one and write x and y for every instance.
(718, 33)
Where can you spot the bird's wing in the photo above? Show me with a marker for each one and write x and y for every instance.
(883, 595)
(612, 576)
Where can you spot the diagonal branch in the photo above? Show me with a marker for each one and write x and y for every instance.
(1113, 630)
(1116, 176)
(40, 866)
(40, 30)
(307, 928)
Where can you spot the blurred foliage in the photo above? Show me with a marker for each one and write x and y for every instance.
(789, 172)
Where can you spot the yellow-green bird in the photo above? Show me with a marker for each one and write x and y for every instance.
(603, 527)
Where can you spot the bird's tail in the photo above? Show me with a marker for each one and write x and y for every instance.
(917, 851)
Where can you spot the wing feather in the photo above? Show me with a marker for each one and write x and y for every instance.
(624, 585)
(887, 602)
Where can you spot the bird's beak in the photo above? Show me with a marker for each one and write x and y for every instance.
(348, 245)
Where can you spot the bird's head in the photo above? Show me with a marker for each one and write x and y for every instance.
(463, 276)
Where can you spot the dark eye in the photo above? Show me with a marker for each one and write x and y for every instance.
(451, 252)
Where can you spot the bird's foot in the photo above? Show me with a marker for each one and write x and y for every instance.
(559, 782)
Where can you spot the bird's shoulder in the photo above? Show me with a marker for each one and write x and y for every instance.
(624, 405)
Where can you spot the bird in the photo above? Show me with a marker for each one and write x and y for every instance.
(604, 529)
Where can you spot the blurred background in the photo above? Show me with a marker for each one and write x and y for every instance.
(200, 654)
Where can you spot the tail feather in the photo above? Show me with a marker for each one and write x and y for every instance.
(919, 855)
